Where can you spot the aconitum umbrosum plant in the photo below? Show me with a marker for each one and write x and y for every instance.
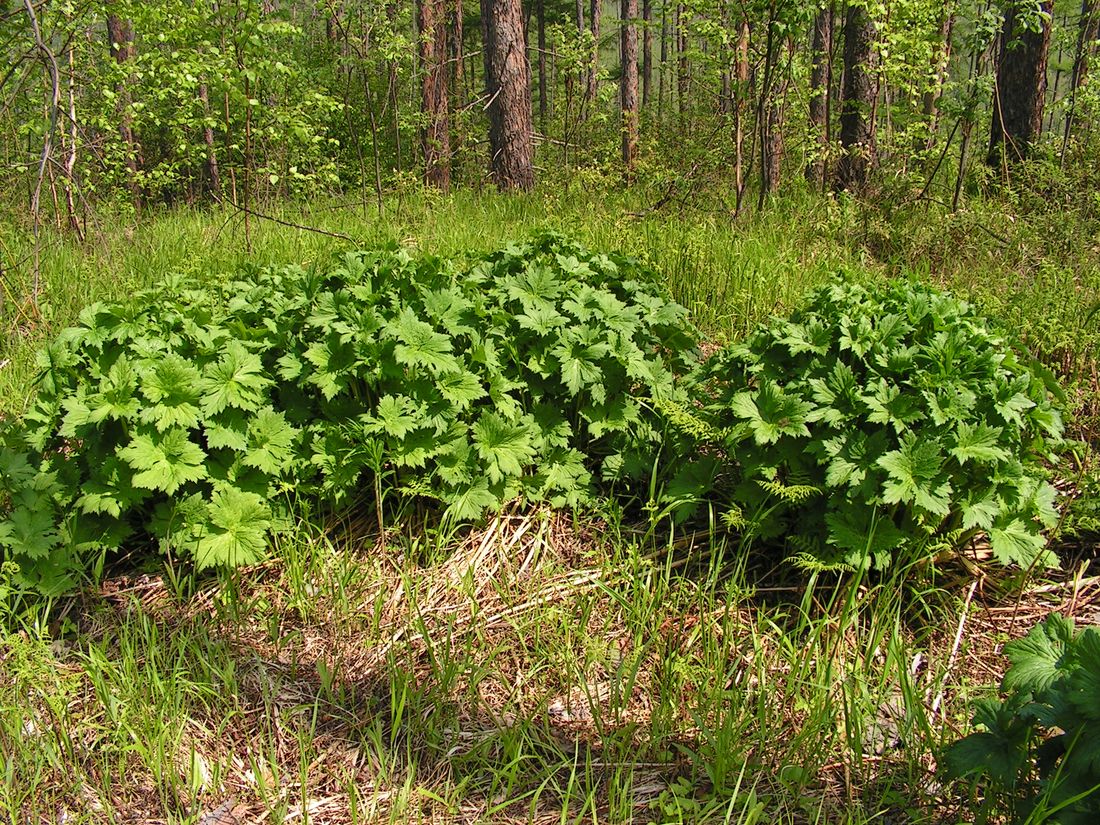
(879, 419)
(191, 417)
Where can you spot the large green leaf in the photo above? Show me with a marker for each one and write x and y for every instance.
(164, 462)
(506, 447)
(236, 380)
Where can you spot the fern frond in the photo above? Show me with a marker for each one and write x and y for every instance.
(808, 563)
(688, 422)
(734, 518)
(790, 493)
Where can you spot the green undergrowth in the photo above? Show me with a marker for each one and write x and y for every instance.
(873, 421)
(508, 680)
(526, 671)
(197, 416)
(1037, 747)
(201, 419)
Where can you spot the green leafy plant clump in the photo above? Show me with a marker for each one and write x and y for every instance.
(1038, 748)
(879, 419)
(193, 417)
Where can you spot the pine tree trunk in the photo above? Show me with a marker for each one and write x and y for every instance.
(741, 78)
(725, 92)
(1088, 33)
(663, 63)
(647, 49)
(594, 9)
(820, 80)
(628, 85)
(508, 85)
(1021, 88)
(857, 130)
(681, 60)
(939, 67)
(540, 13)
(434, 98)
(456, 78)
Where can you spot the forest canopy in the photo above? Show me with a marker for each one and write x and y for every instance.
(129, 105)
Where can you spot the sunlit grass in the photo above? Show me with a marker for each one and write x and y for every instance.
(539, 669)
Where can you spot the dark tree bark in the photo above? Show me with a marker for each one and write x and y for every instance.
(821, 75)
(508, 85)
(773, 138)
(628, 82)
(770, 112)
(647, 49)
(456, 77)
(1088, 33)
(434, 99)
(1021, 88)
(663, 63)
(725, 94)
(741, 77)
(594, 9)
(120, 34)
(857, 129)
(681, 59)
(213, 176)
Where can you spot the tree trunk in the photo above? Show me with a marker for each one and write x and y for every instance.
(941, 62)
(628, 85)
(770, 112)
(1020, 89)
(857, 130)
(725, 92)
(121, 36)
(1088, 33)
(681, 60)
(431, 21)
(213, 176)
(663, 63)
(594, 9)
(647, 49)
(540, 13)
(508, 84)
(820, 79)
(70, 155)
(741, 76)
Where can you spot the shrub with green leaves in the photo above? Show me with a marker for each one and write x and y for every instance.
(193, 416)
(1039, 748)
(876, 419)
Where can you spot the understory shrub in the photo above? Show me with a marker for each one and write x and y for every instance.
(1038, 749)
(876, 420)
(192, 417)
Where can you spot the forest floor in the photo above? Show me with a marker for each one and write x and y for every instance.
(542, 667)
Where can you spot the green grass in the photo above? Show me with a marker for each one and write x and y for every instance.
(539, 668)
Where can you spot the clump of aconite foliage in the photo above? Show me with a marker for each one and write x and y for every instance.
(876, 421)
(192, 416)
(1037, 750)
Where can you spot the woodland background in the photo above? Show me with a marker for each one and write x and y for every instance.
(126, 106)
